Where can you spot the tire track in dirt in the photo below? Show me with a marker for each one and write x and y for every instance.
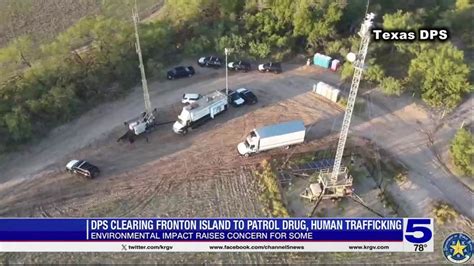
(143, 198)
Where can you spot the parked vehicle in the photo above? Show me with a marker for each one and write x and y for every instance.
(83, 168)
(200, 111)
(235, 99)
(189, 98)
(247, 95)
(270, 67)
(239, 66)
(273, 136)
(180, 72)
(210, 61)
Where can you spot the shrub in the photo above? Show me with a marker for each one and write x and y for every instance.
(391, 86)
(444, 213)
(462, 151)
(271, 195)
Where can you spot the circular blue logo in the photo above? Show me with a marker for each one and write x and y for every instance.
(457, 248)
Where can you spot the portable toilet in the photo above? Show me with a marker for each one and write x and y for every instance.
(322, 60)
(335, 64)
(327, 91)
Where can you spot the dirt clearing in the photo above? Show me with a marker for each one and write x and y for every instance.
(197, 175)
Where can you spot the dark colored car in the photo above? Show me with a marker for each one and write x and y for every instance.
(180, 72)
(270, 67)
(239, 66)
(210, 61)
(83, 168)
(235, 99)
(248, 96)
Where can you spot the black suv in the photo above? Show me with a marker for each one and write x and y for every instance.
(83, 168)
(210, 61)
(270, 67)
(180, 72)
(239, 66)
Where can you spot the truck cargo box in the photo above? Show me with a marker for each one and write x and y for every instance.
(273, 136)
(280, 135)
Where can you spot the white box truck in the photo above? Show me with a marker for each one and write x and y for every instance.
(198, 112)
(273, 136)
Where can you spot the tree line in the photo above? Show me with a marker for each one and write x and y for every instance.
(43, 85)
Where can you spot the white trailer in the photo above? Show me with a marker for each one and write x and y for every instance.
(198, 112)
(273, 136)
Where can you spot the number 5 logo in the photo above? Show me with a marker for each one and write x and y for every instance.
(417, 226)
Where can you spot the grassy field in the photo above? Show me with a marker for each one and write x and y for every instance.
(44, 19)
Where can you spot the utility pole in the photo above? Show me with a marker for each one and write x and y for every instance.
(226, 51)
(146, 95)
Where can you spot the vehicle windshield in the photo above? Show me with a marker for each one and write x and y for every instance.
(246, 143)
(180, 121)
(234, 96)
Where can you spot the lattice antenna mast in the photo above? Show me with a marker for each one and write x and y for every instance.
(146, 95)
(364, 33)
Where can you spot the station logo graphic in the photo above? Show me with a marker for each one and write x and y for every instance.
(457, 248)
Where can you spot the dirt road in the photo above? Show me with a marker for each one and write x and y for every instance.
(412, 135)
(384, 121)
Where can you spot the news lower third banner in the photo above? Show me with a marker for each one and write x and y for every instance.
(216, 235)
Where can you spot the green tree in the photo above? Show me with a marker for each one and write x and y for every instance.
(197, 45)
(351, 16)
(259, 50)
(237, 42)
(462, 151)
(407, 21)
(374, 73)
(18, 123)
(183, 13)
(266, 35)
(316, 20)
(391, 86)
(347, 70)
(457, 20)
(440, 75)
(16, 56)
